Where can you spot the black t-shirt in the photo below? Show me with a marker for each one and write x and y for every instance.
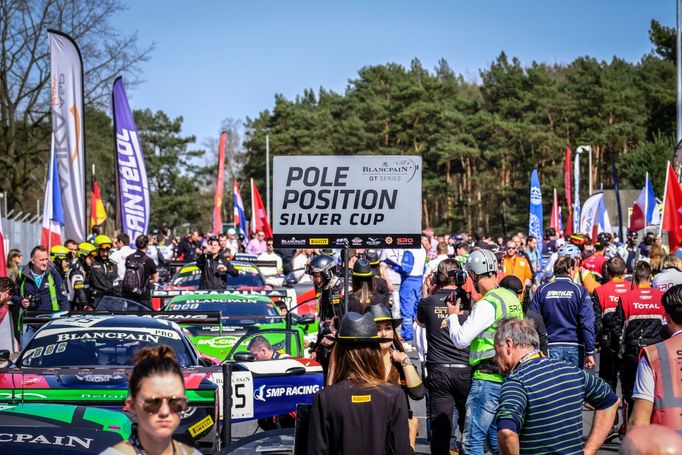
(433, 313)
(148, 267)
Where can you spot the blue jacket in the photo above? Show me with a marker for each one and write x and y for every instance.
(566, 308)
(26, 286)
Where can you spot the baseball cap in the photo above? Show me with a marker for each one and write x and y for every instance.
(231, 231)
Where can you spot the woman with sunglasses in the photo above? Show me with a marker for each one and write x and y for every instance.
(157, 398)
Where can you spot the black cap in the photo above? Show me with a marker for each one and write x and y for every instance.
(358, 328)
(380, 312)
(373, 257)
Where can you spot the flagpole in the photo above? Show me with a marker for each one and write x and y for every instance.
(646, 201)
(665, 194)
(267, 174)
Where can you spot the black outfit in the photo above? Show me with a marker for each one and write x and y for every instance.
(103, 273)
(352, 419)
(449, 373)
(540, 328)
(381, 288)
(331, 309)
(211, 278)
(149, 269)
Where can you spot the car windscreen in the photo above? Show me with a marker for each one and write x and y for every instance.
(92, 346)
(235, 314)
(248, 276)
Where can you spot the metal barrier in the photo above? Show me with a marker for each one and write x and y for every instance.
(22, 231)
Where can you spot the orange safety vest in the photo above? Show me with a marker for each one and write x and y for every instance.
(665, 359)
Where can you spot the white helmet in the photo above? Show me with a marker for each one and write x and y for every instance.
(482, 262)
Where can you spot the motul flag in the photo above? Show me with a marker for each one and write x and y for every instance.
(555, 216)
(3, 264)
(53, 212)
(97, 212)
(132, 188)
(672, 210)
(239, 218)
(220, 183)
(259, 219)
(67, 129)
(567, 190)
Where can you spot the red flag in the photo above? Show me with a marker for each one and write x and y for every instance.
(220, 183)
(3, 256)
(567, 190)
(97, 212)
(555, 216)
(259, 219)
(672, 209)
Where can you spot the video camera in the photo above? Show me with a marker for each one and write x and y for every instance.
(460, 278)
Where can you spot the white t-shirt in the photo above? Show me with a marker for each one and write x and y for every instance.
(119, 257)
(666, 279)
(270, 272)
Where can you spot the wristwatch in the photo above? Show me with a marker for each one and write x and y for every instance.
(406, 361)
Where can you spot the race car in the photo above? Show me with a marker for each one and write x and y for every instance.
(240, 314)
(86, 359)
(26, 428)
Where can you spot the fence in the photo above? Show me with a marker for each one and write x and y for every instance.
(22, 231)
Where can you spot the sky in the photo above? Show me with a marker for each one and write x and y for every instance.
(227, 59)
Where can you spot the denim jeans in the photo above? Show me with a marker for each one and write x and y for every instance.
(573, 354)
(480, 425)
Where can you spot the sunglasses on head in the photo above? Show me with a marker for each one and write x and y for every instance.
(175, 404)
(105, 248)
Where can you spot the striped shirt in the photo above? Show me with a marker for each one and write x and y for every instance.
(542, 400)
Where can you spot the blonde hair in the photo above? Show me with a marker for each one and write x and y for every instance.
(657, 255)
(671, 261)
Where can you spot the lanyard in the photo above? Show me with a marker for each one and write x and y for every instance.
(534, 354)
(137, 445)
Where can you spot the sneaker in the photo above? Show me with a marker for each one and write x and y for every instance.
(408, 347)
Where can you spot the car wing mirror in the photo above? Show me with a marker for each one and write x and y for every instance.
(244, 357)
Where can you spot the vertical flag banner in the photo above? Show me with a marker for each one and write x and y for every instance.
(220, 183)
(239, 217)
(593, 217)
(53, 212)
(97, 213)
(567, 190)
(535, 212)
(259, 219)
(576, 194)
(672, 210)
(3, 256)
(644, 212)
(132, 187)
(66, 99)
(555, 216)
(614, 174)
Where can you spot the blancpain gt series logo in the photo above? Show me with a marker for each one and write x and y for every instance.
(293, 242)
(67, 441)
(262, 393)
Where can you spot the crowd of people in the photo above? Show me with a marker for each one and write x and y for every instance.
(509, 333)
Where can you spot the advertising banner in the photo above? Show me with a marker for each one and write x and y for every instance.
(347, 201)
(535, 212)
(219, 186)
(66, 99)
(132, 188)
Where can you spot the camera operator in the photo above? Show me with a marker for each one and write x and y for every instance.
(449, 373)
(214, 266)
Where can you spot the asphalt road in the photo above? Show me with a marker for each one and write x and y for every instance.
(241, 430)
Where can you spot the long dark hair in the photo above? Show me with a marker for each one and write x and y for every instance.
(157, 361)
(360, 363)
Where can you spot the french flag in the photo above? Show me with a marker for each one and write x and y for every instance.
(644, 212)
(239, 217)
(53, 213)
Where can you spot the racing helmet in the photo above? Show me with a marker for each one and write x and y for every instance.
(569, 250)
(59, 252)
(482, 262)
(85, 249)
(323, 264)
(579, 239)
(102, 240)
(632, 234)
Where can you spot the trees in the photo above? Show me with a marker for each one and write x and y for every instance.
(24, 78)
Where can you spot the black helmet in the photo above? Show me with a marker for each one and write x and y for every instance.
(323, 264)
(604, 238)
(363, 269)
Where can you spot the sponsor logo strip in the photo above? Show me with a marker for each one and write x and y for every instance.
(201, 426)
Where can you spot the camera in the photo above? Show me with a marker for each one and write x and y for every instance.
(460, 278)
(33, 301)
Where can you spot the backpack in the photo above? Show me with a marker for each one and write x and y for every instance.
(133, 279)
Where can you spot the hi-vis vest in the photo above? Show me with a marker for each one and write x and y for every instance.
(506, 305)
(51, 288)
(665, 359)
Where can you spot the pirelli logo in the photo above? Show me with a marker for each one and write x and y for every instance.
(201, 426)
(361, 398)
(318, 241)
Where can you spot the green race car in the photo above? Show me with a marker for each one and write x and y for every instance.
(241, 314)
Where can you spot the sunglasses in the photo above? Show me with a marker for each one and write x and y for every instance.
(105, 248)
(175, 404)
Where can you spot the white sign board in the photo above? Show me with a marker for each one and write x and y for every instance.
(347, 201)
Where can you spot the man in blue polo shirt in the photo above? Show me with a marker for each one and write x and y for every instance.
(541, 401)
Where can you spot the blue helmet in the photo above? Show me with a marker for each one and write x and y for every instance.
(569, 250)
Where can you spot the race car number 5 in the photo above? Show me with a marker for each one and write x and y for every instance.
(242, 394)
